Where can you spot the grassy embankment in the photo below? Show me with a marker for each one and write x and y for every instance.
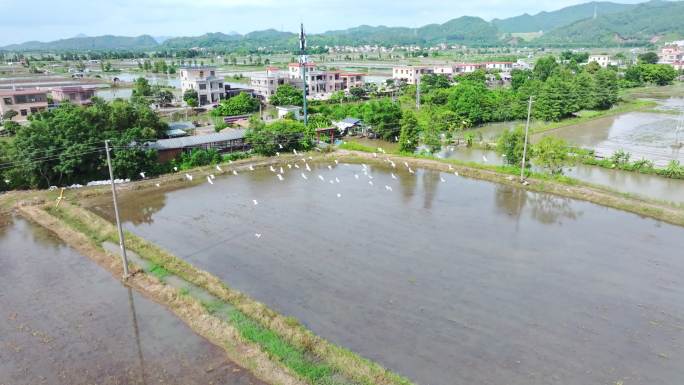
(311, 358)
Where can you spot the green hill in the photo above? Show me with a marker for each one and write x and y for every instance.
(547, 21)
(104, 43)
(636, 26)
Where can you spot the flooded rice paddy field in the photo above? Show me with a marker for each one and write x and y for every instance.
(643, 135)
(65, 320)
(644, 185)
(454, 282)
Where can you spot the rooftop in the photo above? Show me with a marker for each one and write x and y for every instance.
(21, 91)
(197, 140)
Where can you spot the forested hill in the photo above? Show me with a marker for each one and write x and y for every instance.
(615, 24)
(86, 43)
(547, 21)
(653, 20)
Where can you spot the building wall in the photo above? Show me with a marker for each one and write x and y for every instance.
(202, 80)
(23, 103)
(78, 96)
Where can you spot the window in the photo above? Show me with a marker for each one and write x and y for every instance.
(34, 110)
(201, 74)
(213, 73)
(202, 86)
(7, 101)
(23, 112)
(220, 85)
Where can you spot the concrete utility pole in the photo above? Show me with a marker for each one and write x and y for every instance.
(124, 257)
(302, 52)
(527, 129)
(418, 90)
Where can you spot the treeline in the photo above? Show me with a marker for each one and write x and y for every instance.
(64, 146)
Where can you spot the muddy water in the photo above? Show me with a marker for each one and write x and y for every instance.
(65, 320)
(455, 282)
(643, 135)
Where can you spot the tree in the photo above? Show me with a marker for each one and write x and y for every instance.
(357, 92)
(408, 137)
(190, 97)
(237, 105)
(69, 138)
(9, 115)
(606, 89)
(142, 87)
(545, 67)
(163, 97)
(511, 145)
(551, 154)
(383, 116)
(267, 139)
(648, 58)
(287, 95)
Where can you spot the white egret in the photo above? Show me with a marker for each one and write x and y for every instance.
(188, 176)
(257, 235)
(410, 170)
(456, 173)
(332, 181)
(296, 165)
(294, 150)
(337, 179)
(251, 168)
(406, 164)
(321, 178)
(442, 179)
(356, 176)
(272, 169)
(142, 174)
(375, 155)
(393, 176)
(339, 195)
(209, 180)
(280, 177)
(157, 184)
(307, 167)
(255, 202)
(370, 182)
(280, 146)
(451, 168)
(277, 153)
(175, 168)
(310, 157)
(388, 188)
(336, 162)
(289, 165)
(329, 167)
(218, 168)
(281, 171)
(484, 158)
(212, 176)
(235, 172)
(304, 176)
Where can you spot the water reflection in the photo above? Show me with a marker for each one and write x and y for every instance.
(136, 333)
(545, 208)
(430, 182)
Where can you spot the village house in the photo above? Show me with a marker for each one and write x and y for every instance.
(602, 60)
(673, 54)
(266, 83)
(73, 94)
(321, 83)
(410, 74)
(202, 80)
(23, 101)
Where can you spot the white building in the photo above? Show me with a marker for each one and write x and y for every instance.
(202, 80)
(410, 74)
(265, 84)
(602, 60)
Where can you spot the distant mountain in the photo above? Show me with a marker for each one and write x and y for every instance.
(636, 26)
(161, 39)
(547, 21)
(107, 42)
(572, 26)
(464, 30)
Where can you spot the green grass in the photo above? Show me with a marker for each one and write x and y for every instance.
(277, 348)
(353, 146)
(213, 306)
(159, 272)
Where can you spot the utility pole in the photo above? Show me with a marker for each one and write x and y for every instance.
(527, 129)
(302, 52)
(418, 89)
(124, 257)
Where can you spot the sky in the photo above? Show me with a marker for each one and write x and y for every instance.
(43, 20)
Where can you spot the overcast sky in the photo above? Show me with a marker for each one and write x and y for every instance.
(22, 20)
